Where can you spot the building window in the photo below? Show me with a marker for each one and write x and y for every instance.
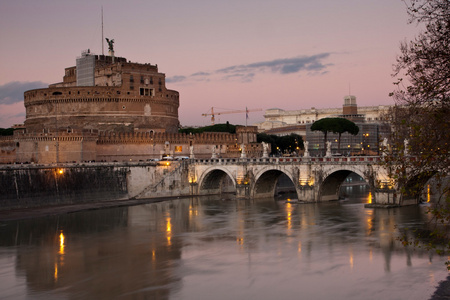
(131, 78)
(145, 92)
(142, 79)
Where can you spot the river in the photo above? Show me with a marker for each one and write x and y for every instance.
(219, 248)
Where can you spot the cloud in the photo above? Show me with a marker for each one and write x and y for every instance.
(12, 92)
(243, 77)
(313, 65)
(177, 78)
(201, 74)
(282, 66)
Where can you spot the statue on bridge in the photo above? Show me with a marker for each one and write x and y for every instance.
(305, 146)
(328, 154)
(384, 146)
(265, 149)
(243, 153)
(191, 152)
(214, 154)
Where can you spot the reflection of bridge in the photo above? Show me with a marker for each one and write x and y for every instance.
(314, 179)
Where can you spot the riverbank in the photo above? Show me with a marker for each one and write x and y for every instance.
(37, 212)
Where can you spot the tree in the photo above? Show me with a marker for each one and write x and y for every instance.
(227, 127)
(420, 120)
(283, 144)
(335, 125)
(6, 131)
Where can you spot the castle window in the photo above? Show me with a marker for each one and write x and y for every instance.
(131, 78)
(145, 92)
(131, 87)
(123, 107)
(142, 79)
(151, 80)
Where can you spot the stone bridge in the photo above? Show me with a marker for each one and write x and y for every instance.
(314, 179)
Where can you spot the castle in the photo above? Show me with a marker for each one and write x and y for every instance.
(110, 109)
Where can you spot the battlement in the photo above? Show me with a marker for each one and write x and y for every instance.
(162, 137)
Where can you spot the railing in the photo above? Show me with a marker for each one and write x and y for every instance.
(290, 160)
(211, 161)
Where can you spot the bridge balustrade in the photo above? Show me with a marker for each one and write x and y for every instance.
(289, 160)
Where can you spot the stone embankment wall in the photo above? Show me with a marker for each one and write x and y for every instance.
(26, 186)
(37, 186)
(159, 181)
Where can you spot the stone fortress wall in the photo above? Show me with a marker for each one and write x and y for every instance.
(83, 146)
(102, 108)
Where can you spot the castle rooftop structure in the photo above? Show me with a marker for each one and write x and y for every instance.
(104, 93)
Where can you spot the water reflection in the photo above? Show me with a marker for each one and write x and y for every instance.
(220, 248)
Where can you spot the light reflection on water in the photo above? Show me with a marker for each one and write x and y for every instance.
(218, 248)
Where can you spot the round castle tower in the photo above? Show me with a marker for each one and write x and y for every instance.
(104, 93)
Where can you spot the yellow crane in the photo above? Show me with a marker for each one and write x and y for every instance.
(213, 114)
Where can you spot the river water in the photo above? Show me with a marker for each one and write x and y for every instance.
(219, 248)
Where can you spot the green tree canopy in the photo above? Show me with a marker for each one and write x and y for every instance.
(6, 131)
(226, 127)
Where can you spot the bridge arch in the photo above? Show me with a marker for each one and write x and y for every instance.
(331, 182)
(212, 181)
(266, 181)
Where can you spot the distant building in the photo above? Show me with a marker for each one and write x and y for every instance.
(276, 118)
(370, 120)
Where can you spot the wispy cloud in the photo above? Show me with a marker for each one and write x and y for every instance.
(175, 79)
(313, 65)
(201, 74)
(12, 92)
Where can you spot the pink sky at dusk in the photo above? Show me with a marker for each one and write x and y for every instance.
(222, 54)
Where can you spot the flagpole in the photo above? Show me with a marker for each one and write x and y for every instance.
(103, 40)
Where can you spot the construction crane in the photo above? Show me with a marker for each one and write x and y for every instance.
(213, 114)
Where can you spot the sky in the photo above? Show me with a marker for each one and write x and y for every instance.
(259, 54)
